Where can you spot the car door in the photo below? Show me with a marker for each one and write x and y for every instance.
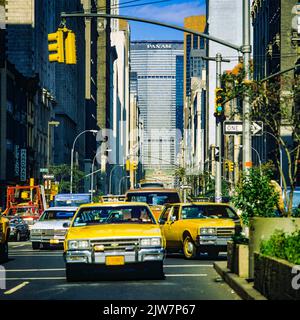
(173, 227)
(163, 221)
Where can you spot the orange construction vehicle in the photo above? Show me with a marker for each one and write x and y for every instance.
(27, 202)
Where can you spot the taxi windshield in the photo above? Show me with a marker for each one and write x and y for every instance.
(154, 198)
(57, 215)
(119, 215)
(205, 212)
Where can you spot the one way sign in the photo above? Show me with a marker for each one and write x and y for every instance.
(236, 127)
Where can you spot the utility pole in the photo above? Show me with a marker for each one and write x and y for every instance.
(87, 9)
(218, 146)
(247, 148)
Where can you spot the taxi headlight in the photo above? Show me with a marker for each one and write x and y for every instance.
(208, 231)
(150, 242)
(78, 244)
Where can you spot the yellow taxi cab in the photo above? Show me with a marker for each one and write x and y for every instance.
(4, 236)
(156, 198)
(113, 235)
(198, 227)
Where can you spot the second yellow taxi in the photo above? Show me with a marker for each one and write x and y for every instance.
(198, 227)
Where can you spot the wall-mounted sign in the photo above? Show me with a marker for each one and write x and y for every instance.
(23, 164)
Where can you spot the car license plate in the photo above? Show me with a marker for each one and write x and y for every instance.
(115, 261)
(54, 241)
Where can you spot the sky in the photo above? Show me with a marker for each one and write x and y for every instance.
(169, 11)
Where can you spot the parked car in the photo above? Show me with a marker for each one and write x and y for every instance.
(50, 229)
(19, 229)
(4, 236)
(156, 198)
(114, 235)
(198, 227)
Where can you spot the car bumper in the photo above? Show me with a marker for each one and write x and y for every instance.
(213, 241)
(91, 257)
(48, 239)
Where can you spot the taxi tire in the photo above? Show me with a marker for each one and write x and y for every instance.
(4, 252)
(35, 245)
(189, 255)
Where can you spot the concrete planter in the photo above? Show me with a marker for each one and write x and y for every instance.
(273, 278)
(237, 259)
(262, 228)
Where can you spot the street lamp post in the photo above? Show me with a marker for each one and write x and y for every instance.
(258, 156)
(50, 123)
(92, 173)
(110, 176)
(72, 154)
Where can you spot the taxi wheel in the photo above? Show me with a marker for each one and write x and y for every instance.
(189, 248)
(35, 245)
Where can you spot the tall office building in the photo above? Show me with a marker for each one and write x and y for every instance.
(158, 65)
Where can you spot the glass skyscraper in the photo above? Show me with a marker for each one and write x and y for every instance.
(159, 69)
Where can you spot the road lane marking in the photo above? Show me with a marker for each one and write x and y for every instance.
(18, 246)
(34, 270)
(186, 265)
(36, 278)
(18, 287)
(35, 256)
(187, 275)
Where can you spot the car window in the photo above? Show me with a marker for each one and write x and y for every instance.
(118, 214)
(175, 213)
(208, 211)
(154, 198)
(165, 214)
(57, 215)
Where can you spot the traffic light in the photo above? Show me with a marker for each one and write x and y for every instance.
(219, 104)
(226, 164)
(70, 46)
(56, 46)
(231, 166)
(127, 165)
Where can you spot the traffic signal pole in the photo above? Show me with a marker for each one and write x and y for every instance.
(218, 177)
(247, 143)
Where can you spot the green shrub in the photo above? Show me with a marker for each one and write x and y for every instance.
(283, 246)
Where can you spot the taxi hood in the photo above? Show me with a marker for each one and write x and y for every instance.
(114, 231)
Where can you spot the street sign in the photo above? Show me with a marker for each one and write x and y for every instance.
(48, 176)
(236, 127)
(45, 170)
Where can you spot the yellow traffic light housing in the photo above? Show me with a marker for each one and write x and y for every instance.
(56, 46)
(70, 46)
(127, 165)
(226, 164)
(231, 166)
(219, 101)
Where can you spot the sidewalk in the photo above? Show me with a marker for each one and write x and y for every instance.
(240, 285)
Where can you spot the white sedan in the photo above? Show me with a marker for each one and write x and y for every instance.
(51, 228)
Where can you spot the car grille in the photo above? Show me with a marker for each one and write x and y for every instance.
(117, 244)
(225, 232)
(47, 232)
(60, 232)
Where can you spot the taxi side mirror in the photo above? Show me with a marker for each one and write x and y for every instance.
(173, 219)
(66, 224)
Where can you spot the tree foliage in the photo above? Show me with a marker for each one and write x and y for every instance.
(62, 175)
(255, 195)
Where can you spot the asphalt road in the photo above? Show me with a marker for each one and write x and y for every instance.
(40, 275)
